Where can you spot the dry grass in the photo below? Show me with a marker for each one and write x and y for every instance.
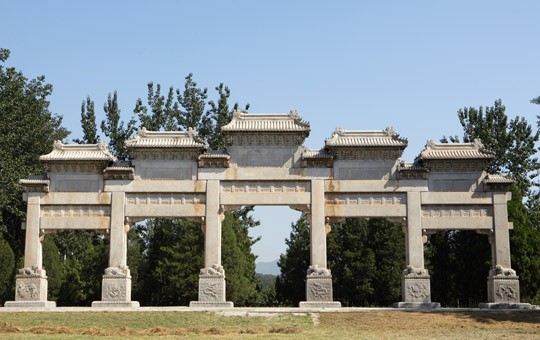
(356, 325)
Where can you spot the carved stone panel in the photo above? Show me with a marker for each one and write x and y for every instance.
(319, 288)
(503, 289)
(212, 288)
(470, 211)
(165, 198)
(30, 288)
(67, 211)
(367, 198)
(416, 289)
(265, 186)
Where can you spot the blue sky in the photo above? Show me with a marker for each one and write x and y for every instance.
(358, 65)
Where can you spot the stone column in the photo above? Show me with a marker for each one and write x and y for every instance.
(212, 276)
(319, 278)
(502, 281)
(31, 281)
(415, 284)
(116, 284)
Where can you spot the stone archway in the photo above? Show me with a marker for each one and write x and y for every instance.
(355, 174)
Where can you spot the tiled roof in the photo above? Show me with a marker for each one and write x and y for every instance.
(243, 122)
(34, 182)
(474, 150)
(376, 138)
(411, 167)
(498, 179)
(215, 154)
(78, 152)
(166, 139)
(310, 153)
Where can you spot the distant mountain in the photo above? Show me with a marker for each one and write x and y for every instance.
(267, 267)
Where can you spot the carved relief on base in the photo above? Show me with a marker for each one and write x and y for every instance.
(116, 288)
(319, 287)
(31, 288)
(416, 289)
(503, 286)
(211, 288)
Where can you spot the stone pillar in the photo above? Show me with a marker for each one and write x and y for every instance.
(31, 281)
(116, 283)
(502, 281)
(319, 278)
(415, 284)
(212, 276)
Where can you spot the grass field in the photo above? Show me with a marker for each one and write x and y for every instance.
(231, 325)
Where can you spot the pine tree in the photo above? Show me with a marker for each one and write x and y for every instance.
(291, 283)
(114, 129)
(175, 256)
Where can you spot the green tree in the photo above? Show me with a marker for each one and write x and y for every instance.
(512, 142)
(7, 272)
(243, 286)
(53, 264)
(291, 283)
(468, 255)
(164, 111)
(88, 123)
(525, 245)
(221, 115)
(367, 257)
(175, 256)
(83, 270)
(189, 111)
(27, 130)
(114, 129)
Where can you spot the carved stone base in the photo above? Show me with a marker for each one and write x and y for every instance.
(416, 289)
(417, 305)
(320, 304)
(30, 304)
(116, 291)
(319, 288)
(487, 305)
(503, 289)
(211, 289)
(209, 304)
(31, 287)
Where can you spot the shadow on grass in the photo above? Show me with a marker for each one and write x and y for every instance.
(517, 316)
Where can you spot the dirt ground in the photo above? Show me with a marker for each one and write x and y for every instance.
(324, 325)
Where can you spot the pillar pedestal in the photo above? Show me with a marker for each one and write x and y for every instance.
(212, 288)
(416, 290)
(31, 289)
(503, 290)
(319, 293)
(116, 289)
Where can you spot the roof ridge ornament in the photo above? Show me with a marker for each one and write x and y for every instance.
(389, 130)
(58, 145)
(237, 113)
(295, 115)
